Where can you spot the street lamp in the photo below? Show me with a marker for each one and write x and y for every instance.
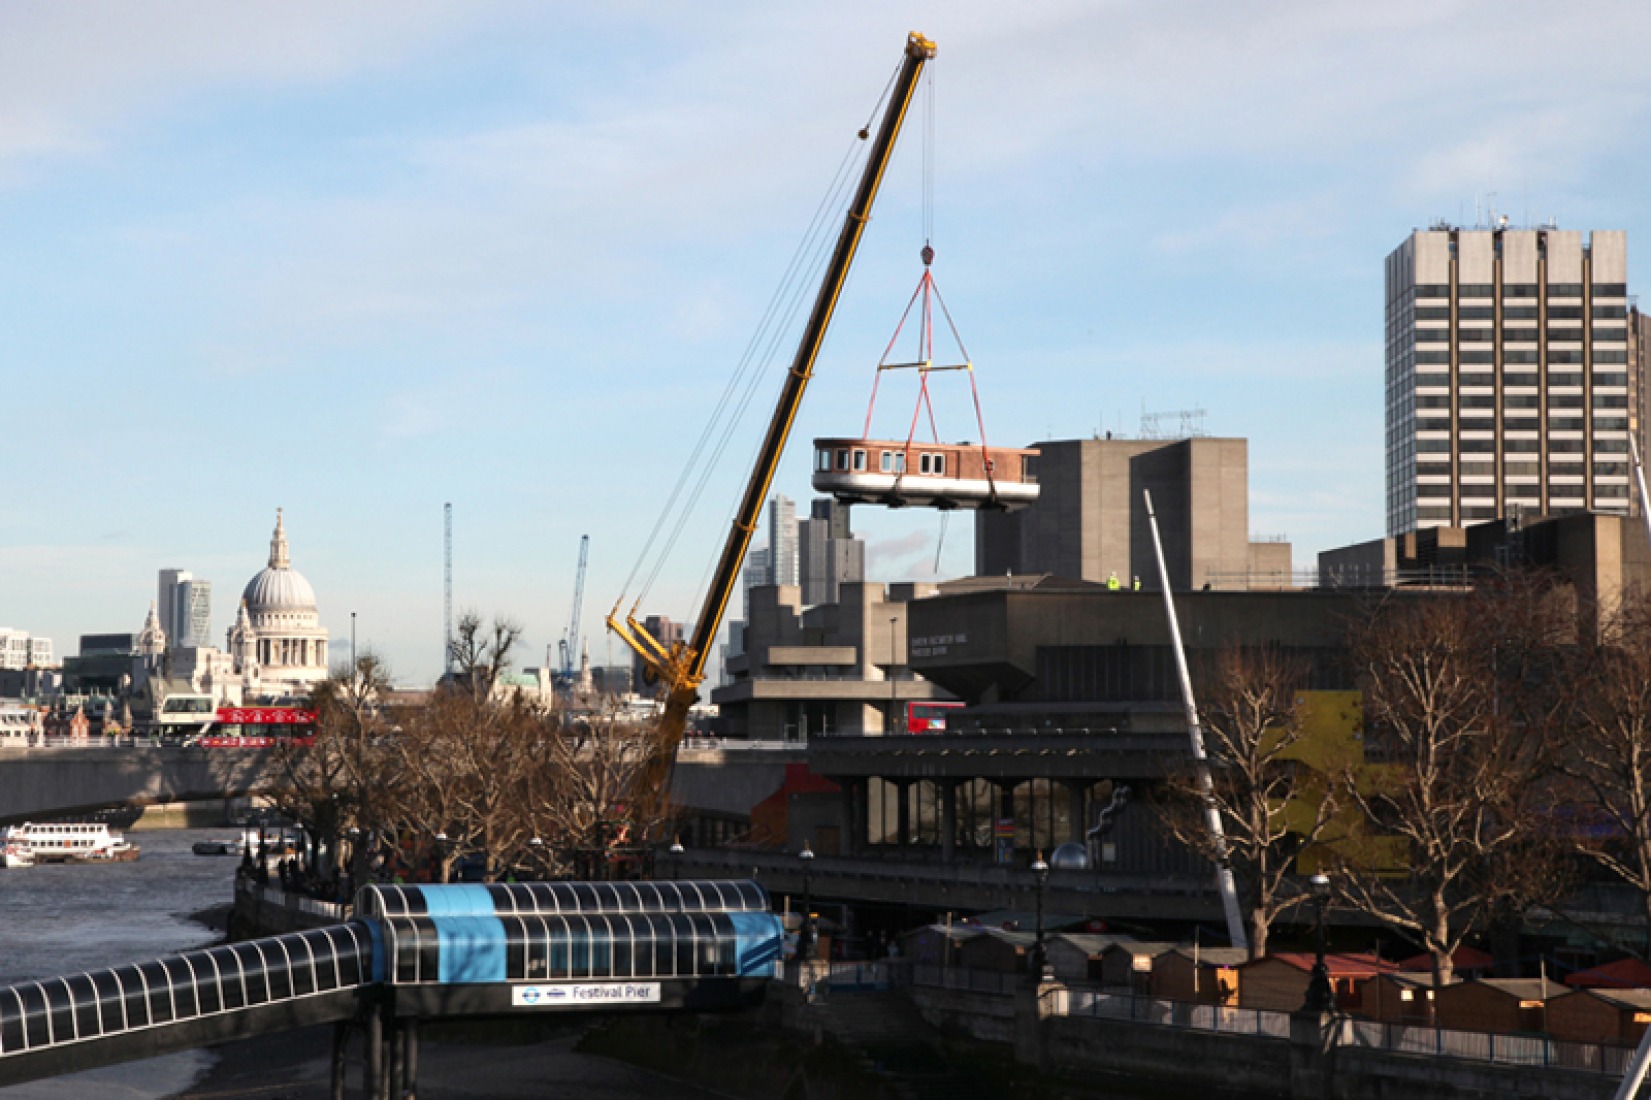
(805, 932)
(536, 846)
(676, 856)
(1320, 997)
(1040, 957)
(441, 854)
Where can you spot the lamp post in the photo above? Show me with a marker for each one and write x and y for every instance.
(1320, 997)
(1040, 957)
(676, 856)
(536, 847)
(805, 932)
(894, 686)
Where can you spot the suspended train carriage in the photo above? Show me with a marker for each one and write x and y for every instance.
(931, 474)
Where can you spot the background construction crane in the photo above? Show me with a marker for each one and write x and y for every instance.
(570, 640)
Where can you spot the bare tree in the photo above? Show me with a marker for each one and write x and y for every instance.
(340, 780)
(1454, 699)
(481, 652)
(1270, 805)
(1610, 755)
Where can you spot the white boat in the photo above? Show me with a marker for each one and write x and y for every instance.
(15, 853)
(72, 842)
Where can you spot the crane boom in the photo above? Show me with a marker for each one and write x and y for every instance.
(570, 644)
(680, 667)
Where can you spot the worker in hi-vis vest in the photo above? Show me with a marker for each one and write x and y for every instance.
(1112, 583)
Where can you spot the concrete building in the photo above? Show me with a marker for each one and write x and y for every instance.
(835, 668)
(828, 554)
(185, 606)
(1090, 524)
(1508, 375)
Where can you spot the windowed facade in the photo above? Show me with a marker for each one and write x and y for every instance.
(1513, 375)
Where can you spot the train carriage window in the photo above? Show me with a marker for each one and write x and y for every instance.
(887, 462)
(842, 458)
(822, 460)
(83, 995)
(36, 1024)
(900, 462)
(940, 465)
(923, 463)
(859, 459)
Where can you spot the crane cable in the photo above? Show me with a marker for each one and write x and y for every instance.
(759, 351)
(742, 385)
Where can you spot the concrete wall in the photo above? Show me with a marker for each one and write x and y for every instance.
(40, 783)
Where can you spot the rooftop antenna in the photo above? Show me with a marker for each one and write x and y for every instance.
(447, 600)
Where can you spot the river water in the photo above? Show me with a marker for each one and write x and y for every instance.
(62, 918)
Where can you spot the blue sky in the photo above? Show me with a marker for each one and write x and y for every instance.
(360, 260)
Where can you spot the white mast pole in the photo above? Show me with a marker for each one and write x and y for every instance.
(1639, 479)
(1195, 733)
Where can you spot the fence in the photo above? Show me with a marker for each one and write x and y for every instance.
(1484, 1046)
(1354, 1034)
(1198, 1017)
(302, 903)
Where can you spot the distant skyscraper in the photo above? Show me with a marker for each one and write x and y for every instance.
(757, 572)
(782, 540)
(828, 554)
(184, 608)
(1509, 381)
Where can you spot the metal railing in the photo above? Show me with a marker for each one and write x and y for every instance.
(1187, 1014)
(278, 898)
(1484, 1046)
(1091, 1002)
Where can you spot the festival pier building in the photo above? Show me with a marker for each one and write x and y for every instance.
(278, 642)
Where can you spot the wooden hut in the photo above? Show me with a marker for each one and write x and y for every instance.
(1600, 1015)
(1398, 997)
(1127, 967)
(996, 949)
(1076, 956)
(1207, 975)
(1502, 1005)
(935, 944)
(1278, 983)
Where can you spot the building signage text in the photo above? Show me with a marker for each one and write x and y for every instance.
(936, 645)
(588, 994)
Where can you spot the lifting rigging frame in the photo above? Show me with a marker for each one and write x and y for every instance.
(680, 667)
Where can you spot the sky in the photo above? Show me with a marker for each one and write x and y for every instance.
(361, 260)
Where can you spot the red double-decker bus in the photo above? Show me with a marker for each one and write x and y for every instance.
(928, 717)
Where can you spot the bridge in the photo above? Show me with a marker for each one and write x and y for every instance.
(41, 783)
(413, 953)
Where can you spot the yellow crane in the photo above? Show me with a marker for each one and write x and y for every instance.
(680, 666)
